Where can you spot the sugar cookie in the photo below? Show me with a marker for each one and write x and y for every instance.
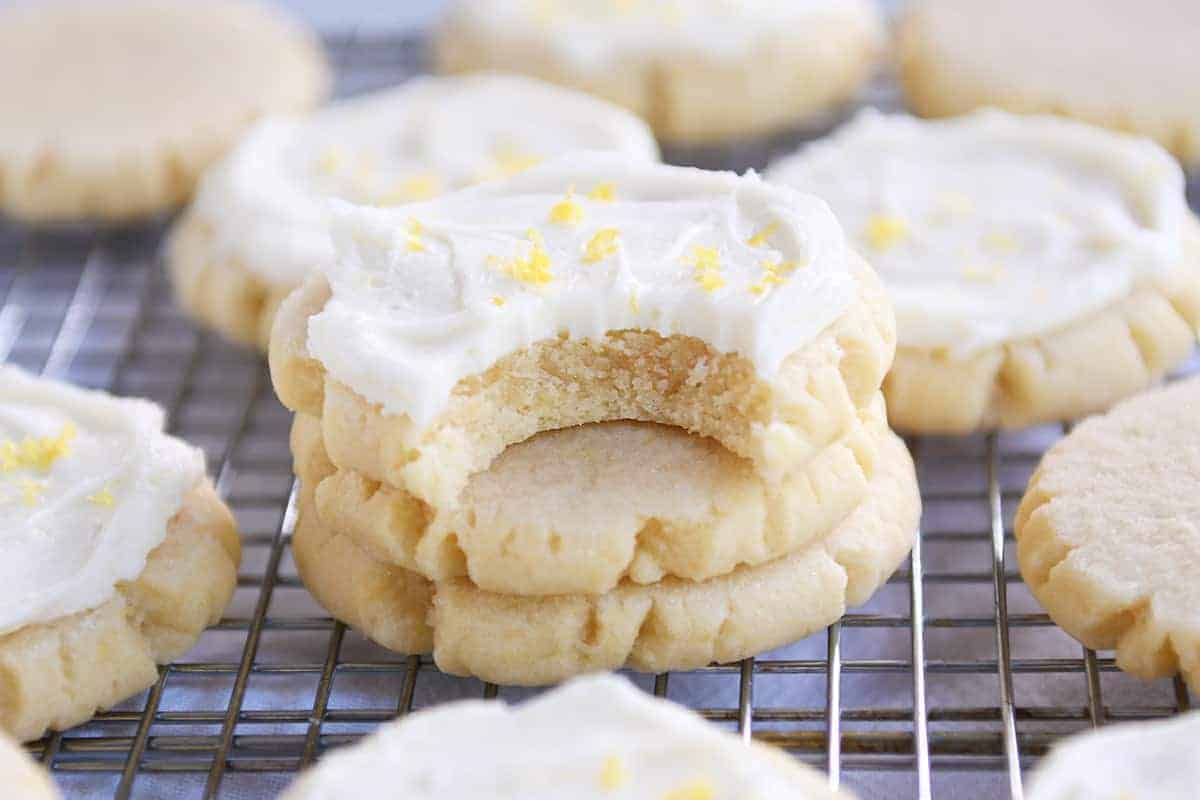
(698, 299)
(594, 737)
(1041, 269)
(698, 71)
(1108, 533)
(114, 109)
(1127, 66)
(259, 225)
(115, 551)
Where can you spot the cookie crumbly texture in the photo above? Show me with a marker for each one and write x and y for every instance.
(138, 99)
(21, 778)
(558, 383)
(1108, 533)
(585, 522)
(1080, 369)
(56, 675)
(784, 80)
(1124, 66)
(596, 736)
(672, 624)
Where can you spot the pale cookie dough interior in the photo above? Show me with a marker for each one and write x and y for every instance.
(1108, 534)
(115, 551)
(115, 108)
(259, 225)
(701, 300)
(671, 624)
(1155, 760)
(699, 71)
(564, 512)
(595, 737)
(21, 778)
(1040, 268)
(1128, 66)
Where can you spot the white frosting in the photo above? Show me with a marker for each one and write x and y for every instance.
(404, 325)
(993, 227)
(267, 202)
(596, 35)
(594, 737)
(87, 484)
(1157, 760)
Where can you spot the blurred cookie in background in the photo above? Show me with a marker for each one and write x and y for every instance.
(699, 71)
(1127, 66)
(114, 109)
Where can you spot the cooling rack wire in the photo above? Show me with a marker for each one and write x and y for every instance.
(949, 683)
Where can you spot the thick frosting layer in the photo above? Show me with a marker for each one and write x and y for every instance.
(429, 294)
(593, 737)
(994, 227)
(87, 484)
(1148, 761)
(594, 35)
(267, 202)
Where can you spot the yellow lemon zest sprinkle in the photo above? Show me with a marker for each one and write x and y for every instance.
(511, 161)
(567, 211)
(497, 301)
(31, 491)
(603, 193)
(706, 262)
(412, 237)
(634, 306)
(9, 457)
(602, 245)
(534, 268)
(613, 775)
(760, 238)
(104, 497)
(329, 161)
(885, 231)
(36, 453)
(983, 274)
(412, 189)
(1000, 242)
(699, 789)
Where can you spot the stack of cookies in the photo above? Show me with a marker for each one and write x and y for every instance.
(603, 413)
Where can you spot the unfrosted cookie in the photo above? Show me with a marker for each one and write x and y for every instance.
(1157, 760)
(445, 331)
(595, 737)
(585, 520)
(1108, 533)
(1041, 269)
(115, 552)
(698, 71)
(112, 110)
(259, 224)
(672, 624)
(20, 778)
(1128, 66)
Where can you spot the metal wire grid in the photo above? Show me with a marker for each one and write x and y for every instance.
(266, 691)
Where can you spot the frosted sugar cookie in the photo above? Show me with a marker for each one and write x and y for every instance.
(115, 552)
(586, 520)
(443, 332)
(20, 777)
(1157, 760)
(594, 737)
(1108, 533)
(1127, 66)
(114, 109)
(259, 224)
(1041, 269)
(674, 623)
(698, 71)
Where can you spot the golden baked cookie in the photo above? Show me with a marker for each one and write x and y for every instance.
(113, 110)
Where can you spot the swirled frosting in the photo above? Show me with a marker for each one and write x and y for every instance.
(87, 484)
(993, 227)
(594, 737)
(267, 202)
(426, 295)
(594, 35)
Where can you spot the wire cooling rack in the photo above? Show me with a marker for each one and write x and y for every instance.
(949, 683)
